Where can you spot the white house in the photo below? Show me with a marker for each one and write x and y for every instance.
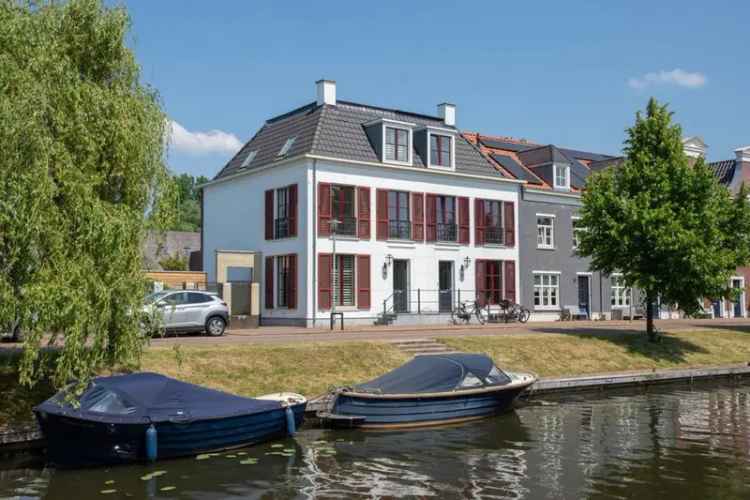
(399, 191)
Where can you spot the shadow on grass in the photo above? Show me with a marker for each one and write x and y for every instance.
(729, 328)
(667, 349)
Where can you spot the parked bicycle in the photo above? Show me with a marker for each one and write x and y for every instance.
(513, 312)
(464, 311)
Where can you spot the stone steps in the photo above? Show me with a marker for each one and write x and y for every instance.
(417, 347)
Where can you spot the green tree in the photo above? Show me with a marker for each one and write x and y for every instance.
(188, 202)
(663, 221)
(82, 175)
(174, 262)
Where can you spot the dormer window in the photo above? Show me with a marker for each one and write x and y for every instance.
(287, 146)
(562, 176)
(441, 150)
(248, 159)
(396, 144)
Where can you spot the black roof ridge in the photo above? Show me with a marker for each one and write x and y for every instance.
(394, 110)
(307, 107)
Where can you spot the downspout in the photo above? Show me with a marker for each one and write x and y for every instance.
(315, 241)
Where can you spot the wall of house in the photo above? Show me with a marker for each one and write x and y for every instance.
(560, 259)
(423, 257)
(233, 215)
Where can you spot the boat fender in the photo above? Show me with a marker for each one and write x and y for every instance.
(151, 443)
(291, 425)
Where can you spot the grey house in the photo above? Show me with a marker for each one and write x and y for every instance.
(552, 277)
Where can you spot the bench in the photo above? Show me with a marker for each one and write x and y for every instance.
(575, 312)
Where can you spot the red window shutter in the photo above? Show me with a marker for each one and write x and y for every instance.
(480, 276)
(463, 220)
(510, 280)
(269, 282)
(363, 282)
(431, 216)
(269, 214)
(417, 223)
(325, 268)
(291, 286)
(510, 224)
(381, 213)
(478, 222)
(324, 209)
(363, 222)
(292, 210)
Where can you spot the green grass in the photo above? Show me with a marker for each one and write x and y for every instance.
(561, 354)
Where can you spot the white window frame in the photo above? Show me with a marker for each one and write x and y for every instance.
(621, 297)
(573, 230)
(543, 287)
(249, 158)
(409, 143)
(551, 227)
(287, 146)
(334, 279)
(555, 169)
(444, 132)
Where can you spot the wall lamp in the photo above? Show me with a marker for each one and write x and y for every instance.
(386, 264)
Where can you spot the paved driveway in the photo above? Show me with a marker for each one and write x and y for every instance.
(288, 335)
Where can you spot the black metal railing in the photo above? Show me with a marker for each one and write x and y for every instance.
(399, 229)
(494, 235)
(426, 301)
(347, 226)
(281, 228)
(446, 232)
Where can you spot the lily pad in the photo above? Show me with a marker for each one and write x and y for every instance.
(168, 488)
(277, 445)
(231, 456)
(158, 473)
(107, 492)
(249, 461)
(204, 456)
(241, 453)
(147, 477)
(111, 481)
(290, 450)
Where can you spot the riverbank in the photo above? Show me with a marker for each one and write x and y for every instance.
(312, 368)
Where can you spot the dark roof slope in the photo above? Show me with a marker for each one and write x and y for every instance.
(723, 171)
(338, 131)
(516, 168)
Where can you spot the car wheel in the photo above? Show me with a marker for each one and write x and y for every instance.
(215, 326)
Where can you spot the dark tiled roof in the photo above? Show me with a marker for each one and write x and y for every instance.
(596, 166)
(337, 131)
(723, 170)
(506, 145)
(515, 168)
(584, 155)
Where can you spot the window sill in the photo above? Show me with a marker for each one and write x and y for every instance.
(399, 163)
(545, 248)
(620, 307)
(284, 238)
(547, 309)
(495, 245)
(442, 167)
(341, 237)
(447, 244)
(340, 309)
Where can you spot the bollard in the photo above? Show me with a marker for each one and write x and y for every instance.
(291, 425)
(151, 443)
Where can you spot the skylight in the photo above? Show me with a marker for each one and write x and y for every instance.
(248, 159)
(287, 146)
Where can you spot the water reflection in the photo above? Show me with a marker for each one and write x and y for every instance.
(673, 443)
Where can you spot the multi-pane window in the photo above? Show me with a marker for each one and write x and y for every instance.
(493, 281)
(343, 209)
(577, 230)
(396, 144)
(399, 223)
(620, 293)
(562, 176)
(281, 226)
(282, 281)
(343, 280)
(493, 221)
(545, 231)
(440, 150)
(546, 290)
(445, 214)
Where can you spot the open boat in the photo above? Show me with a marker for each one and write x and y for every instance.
(147, 416)
(428, 390)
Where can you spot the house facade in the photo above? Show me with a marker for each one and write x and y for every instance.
(375, 213)
(553, 277)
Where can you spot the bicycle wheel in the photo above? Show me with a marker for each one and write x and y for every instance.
(479, 312)
(523, 315)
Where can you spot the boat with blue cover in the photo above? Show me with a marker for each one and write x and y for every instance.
(428, 390)
(148, 416)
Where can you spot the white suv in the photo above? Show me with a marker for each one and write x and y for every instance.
(189, 310)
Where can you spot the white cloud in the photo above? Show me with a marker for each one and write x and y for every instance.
(677, 77)
(199, 143)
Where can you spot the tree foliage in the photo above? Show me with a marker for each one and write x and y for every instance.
(188, 216)
(81, 172)
(174, 262)
(662, 220)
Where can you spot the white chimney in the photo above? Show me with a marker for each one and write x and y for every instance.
(743, 155)
(447, 112)
(694, 147)
(326, 92)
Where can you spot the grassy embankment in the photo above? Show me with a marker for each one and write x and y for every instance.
(311, 369)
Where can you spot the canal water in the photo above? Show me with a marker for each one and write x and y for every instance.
(676, 442)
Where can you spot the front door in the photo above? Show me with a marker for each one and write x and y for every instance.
(400, 286)
(445, 286)
(737, 304)
(584, 299)
(717, 308)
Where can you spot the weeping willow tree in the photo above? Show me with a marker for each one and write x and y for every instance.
(82, 176)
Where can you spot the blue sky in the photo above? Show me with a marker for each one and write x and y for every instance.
(569, 73)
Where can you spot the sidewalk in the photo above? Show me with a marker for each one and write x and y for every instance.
(285, 335)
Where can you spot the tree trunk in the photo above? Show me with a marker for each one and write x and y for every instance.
(650, 318)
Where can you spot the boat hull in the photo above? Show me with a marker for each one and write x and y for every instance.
(75, 442)
(369, 411)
